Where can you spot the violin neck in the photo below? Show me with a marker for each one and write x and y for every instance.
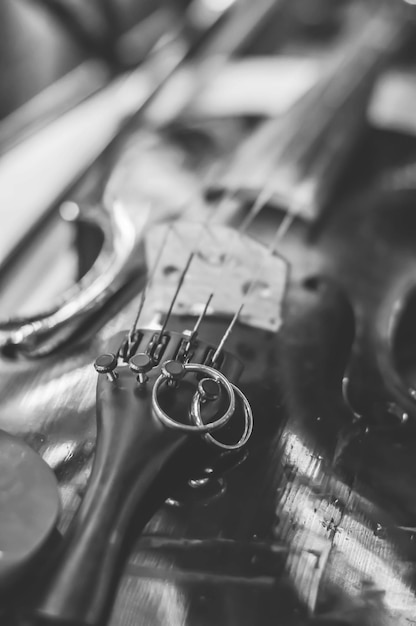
(296, 158)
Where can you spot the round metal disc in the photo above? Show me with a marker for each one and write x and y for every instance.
(29, 505)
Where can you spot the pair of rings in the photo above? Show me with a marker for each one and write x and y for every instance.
(198, 425)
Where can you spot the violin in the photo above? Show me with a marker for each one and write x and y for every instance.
(252, 402)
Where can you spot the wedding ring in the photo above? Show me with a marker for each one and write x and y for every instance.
(248, 424)
(198, 427)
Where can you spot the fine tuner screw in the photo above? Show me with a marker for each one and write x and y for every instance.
(174, 371)
(209, 389)
(140, 364)
(106, 364)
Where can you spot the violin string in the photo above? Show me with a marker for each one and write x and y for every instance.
(226, 334)
(179, 287)
(147, 286)
(193, 333)
(260, 202)
(175, 295)
(202, 315)
(281, 231)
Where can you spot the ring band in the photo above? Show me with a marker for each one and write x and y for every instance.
(199, 427)
(248, 424)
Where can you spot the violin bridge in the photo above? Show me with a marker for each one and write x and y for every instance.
(233, 267)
